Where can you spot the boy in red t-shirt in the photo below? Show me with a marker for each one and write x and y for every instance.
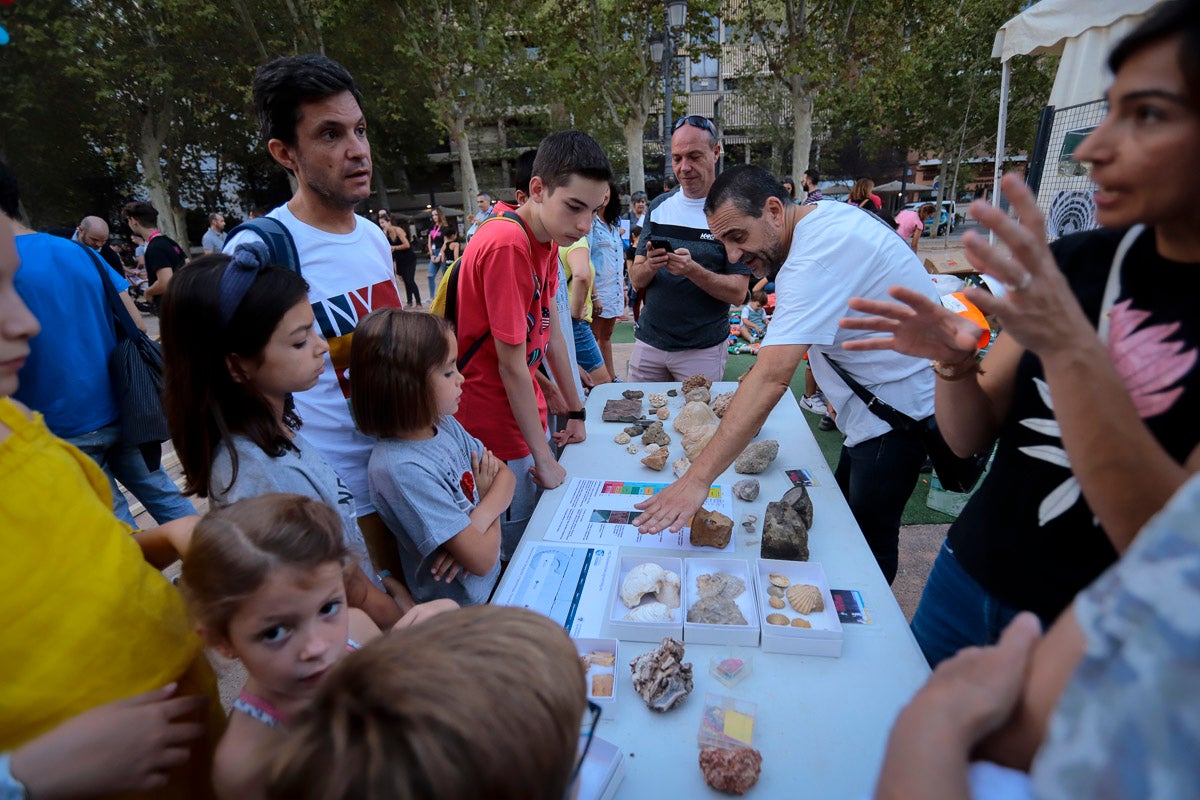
(506, 287)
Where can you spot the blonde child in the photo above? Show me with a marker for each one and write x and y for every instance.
(263, 579)
(488, 703)
(439, 490)
(238, 340)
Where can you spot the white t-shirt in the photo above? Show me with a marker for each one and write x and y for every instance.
(349, 275)
(838, 251)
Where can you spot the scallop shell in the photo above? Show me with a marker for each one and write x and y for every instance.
(779, 580)
(805, 598)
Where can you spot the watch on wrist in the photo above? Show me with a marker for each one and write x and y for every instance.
(581, 414)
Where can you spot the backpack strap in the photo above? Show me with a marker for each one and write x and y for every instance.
(451, 312)
(276, 237)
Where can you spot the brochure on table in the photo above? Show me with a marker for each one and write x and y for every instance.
(568, 583)
(601, 512)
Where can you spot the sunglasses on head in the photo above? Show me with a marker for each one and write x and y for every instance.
(696, 121)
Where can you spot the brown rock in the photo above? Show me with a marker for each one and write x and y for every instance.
(732, 771)
(658, 459)
(633, 394)
(623, 410)
(757, 457)
(656, 435)
(711, 529)
(696, 381)
(785, 535)
(661, 677)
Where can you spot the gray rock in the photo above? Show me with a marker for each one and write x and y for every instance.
(672, 392)
(633, 394)
(797, 497)
(785, 535)
(716, 611)
(634, 430)
(656, 435)
(746, 489)
(698, 395)
(621, 411)
(757, 457)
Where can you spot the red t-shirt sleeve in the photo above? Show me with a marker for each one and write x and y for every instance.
(508, 284)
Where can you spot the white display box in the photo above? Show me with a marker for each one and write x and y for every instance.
(824, 638)
(586, 646)
(708, 633)
(620, 628)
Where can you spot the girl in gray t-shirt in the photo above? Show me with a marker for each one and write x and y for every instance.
(438, 489)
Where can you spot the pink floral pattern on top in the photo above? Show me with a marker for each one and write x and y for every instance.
(1149, 363)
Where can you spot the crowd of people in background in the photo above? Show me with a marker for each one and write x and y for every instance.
(371, 468)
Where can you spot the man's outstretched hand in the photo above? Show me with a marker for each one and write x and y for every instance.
(673, 507)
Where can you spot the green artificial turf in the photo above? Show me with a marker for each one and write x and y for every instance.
(830, 442)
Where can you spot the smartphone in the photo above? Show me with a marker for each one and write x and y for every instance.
(661, 244)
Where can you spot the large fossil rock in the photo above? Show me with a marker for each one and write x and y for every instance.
(696, 439)
(733, 771)
(661, 677)
(755, 458)
(710, 529)
(624, 410)
(784, 533)
(694, 414)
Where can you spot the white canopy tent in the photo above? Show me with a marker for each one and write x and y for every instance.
(1081, 32)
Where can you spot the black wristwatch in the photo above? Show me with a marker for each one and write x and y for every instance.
(581, 414)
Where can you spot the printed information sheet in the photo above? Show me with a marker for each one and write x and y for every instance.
(568, 583)
(600, 512)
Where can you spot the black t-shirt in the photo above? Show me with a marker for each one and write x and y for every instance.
(162, 253)
(1028, 535)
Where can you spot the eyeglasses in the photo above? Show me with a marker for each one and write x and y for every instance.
(590, 725)
(696, 121)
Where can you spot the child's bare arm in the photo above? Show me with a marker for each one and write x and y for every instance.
(423, 611)
(166, 544)
(477, 546)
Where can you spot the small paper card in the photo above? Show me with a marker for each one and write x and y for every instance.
(800, 477)
(850, 607)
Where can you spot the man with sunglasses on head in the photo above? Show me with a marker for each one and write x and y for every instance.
(689, 283)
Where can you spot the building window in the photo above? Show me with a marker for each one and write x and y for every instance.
(706, 74)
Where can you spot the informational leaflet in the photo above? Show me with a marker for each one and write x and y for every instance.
(600, 512)
(566, 582)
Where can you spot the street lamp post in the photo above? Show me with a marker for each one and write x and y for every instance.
(664, 49)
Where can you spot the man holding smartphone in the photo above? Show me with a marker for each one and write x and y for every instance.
(689, 282)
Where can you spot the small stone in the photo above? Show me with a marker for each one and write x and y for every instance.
(710, 529)
(755, 458)
(733, 771)
(800, 622)
(776, 591)
(748, 521)
(784, 536)
(656, 435)
(658, 400)
(635, 430)
(672, 393)
(650, 448)
(720, 403)
(746, 489)
(681, 466)
(632, 448)
(797, 497)
(622, 438)
(663, 413)
(698, 395)
(633, 394)
(658, 459)
(696, 381)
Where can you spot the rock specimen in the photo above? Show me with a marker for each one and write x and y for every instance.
(681, 466)
(711, 529)
(633, 394)
(784, 535)
(720, 403)
(716, 611)
(720, 585)
(631, 448)
(622, 438)
(696, 381)
(698, 395)
(634, 430)
(622, 411)
(650, 448)
(651, 612)
(672, 393)
(697, 438)
(746, 489)
(731, 771)
(755, 458)
(668, 589)
(650, 578)
(797, 497)
(694, 414)
(656, 435)
(658, 459)
(658, 400)
(660, 677)
(748, 522)
(663, 413)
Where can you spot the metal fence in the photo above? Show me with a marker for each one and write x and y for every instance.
(1063, 185)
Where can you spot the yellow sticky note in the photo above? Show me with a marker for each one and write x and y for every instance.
(739, 726)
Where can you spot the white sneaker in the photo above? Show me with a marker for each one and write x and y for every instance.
(814, 404)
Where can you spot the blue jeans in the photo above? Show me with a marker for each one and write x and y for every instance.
(587, 352)
(124, 463)
(956, 612)
(877, 478)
